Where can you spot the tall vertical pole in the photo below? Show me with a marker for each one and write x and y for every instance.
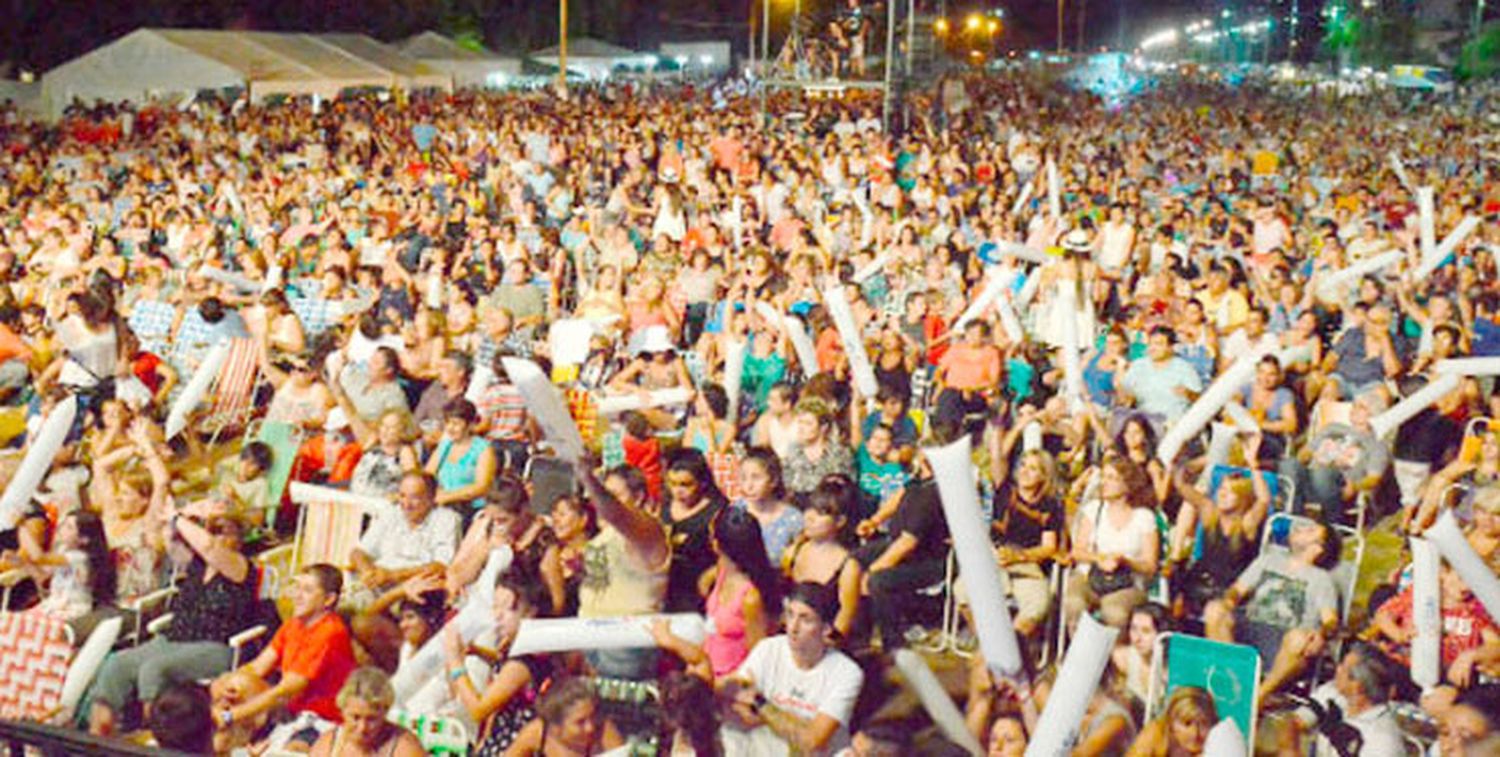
(750, 43)
(1478, 18)
(765, 38)
(1059, 27)
(562, 45)
(890, 68)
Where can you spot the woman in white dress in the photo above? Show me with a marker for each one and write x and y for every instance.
(1074, 270)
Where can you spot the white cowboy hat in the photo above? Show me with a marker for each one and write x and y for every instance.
(1076, 240)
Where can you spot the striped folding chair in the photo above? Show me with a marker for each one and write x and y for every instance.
(234, 389)
(585, 412)
(329, 524)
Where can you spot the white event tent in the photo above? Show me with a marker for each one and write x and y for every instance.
(468, 67)
(593, 58)
(163, 62)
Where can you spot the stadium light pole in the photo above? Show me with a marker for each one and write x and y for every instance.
(562, 45)
(1059, 27)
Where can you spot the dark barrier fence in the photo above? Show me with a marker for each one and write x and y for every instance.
(19, 738)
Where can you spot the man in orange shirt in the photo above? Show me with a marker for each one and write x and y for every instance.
(15, 355)
(312, 652)
(967, 372)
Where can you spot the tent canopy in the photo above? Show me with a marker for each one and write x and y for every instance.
(468, 67)
(430, 45)
(593, 57)
(149, 62)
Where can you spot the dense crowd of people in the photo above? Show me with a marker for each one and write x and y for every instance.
(378, 267)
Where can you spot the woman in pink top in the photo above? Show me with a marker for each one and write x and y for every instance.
(743, 591)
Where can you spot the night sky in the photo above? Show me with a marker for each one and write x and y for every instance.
(41, 33)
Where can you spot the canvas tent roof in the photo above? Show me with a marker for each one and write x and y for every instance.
(587, 47)
(159, 61)
(430, 45)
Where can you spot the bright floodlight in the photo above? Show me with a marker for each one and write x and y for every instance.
(705, 59)
(652, 60)
(940, 26)
(993, 26)
(1160, 39)
(681, 60)
(973, 22)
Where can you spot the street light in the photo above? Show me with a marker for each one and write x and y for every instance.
(940, 26)
(973, 22)
(993, 27)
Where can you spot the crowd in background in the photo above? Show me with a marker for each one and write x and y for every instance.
(381, 263)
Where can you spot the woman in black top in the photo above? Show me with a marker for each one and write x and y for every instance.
(693, 501)
(1027, 533)
(216, 599)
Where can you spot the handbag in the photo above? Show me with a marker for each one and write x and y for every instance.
(1103, 582)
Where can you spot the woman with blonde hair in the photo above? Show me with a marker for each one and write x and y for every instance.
(364, 701)
(1182, 728)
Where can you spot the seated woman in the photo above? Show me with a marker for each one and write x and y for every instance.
(1182, 728)
(1216, 537)
(708, 428)
(463, 462)
(134, 508)
(817, 452)
(742, 594)
(568, 722)
(819, 555)
(301, 398)
(364, 701)
(504, 705)
(1116, 545)
(507, 521)
(216, 599)
(389, 454)
(78, 576)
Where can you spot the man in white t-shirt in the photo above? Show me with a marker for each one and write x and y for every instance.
(794, 692)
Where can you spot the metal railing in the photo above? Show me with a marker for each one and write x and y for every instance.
(18, 738)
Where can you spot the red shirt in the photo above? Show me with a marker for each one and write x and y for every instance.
(321, 653)
(1463, 626)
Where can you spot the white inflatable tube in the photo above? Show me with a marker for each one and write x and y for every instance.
(1450, 541)
(303, 493)
(475, 617)
(935, 700)
(274, 279)
(1077, 680)
(1015, 208)
(1469, 366)
(1028, 290)
(1447, 246)
(1426, 221)
(569, 339)
(38, 459)
(197, 388)
(734, 370)
(659, 398)
(1009, 321)
(1243, 421)
(1208, 405)
(1054, 190)
(1359, 270)
(546, 406)
(1022, 252)
(1225, 740)
(545, 635)
(1072, 369)
(802, 344)
(230, 278)
(1395, 161)
(1426, 646)
(1220, 442)
(854, 345)
(1406, 409)
(993, 287)
(875, 266)
(479, 383)
(953, 468)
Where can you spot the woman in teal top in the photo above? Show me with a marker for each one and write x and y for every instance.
(463, 462)
(764, 368)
